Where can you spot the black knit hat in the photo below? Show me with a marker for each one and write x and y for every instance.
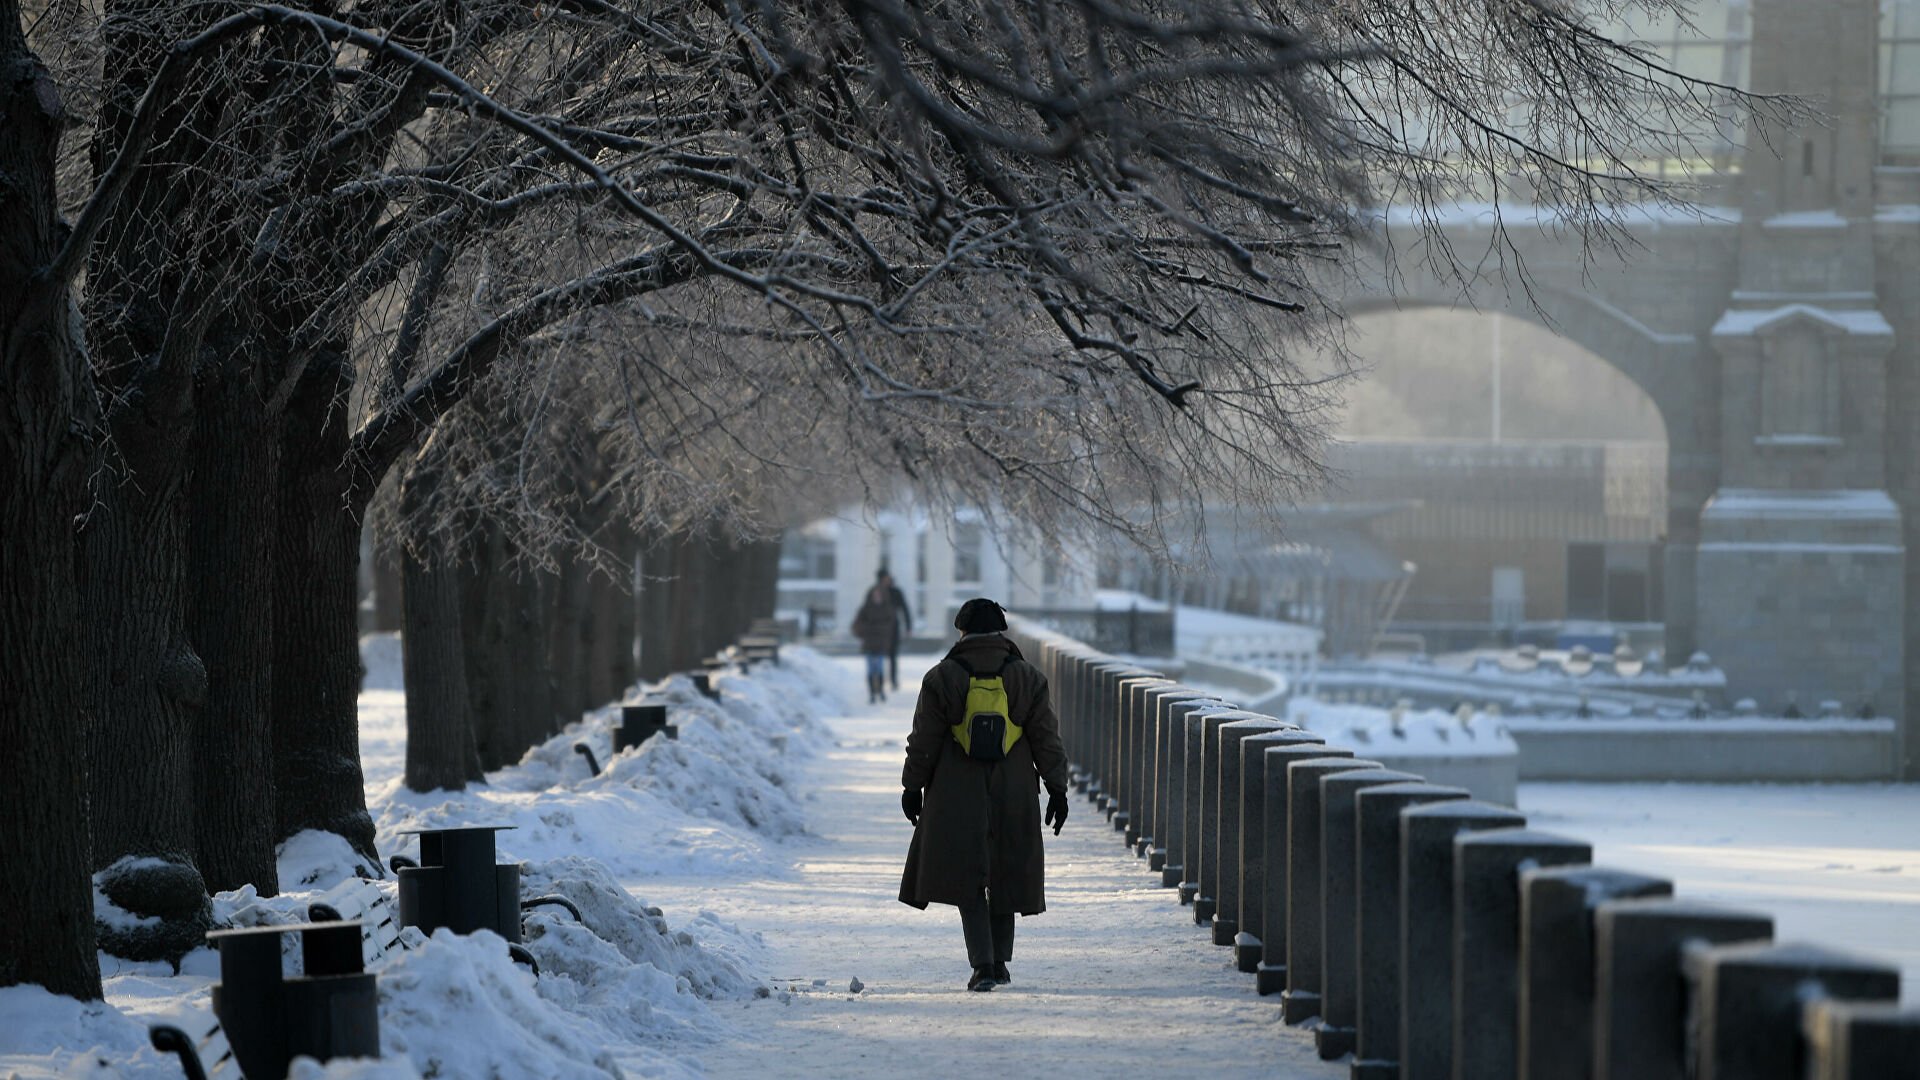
(980, 616)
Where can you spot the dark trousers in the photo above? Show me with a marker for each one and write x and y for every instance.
(989, 933)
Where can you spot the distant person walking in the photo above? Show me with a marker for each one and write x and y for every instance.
(984, 740)
(899, 601)
(878, 629)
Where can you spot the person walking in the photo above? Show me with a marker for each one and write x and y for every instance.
(899, 601)
(984, 741)
(879, 632)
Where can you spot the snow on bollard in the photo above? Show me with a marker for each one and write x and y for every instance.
(1557, 907)
(1854, 1040)
(1486, 922)
(1640, 1006)
(1271, 975)
(1747, 1003)
(1339, 899)
(1377, 921)
(1301, 1000)
(1426, 928)
(1224, 872)
(1249, 944)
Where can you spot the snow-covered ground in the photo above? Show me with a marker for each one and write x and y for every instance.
(1113, 980)
(630, 990)
(772, 843)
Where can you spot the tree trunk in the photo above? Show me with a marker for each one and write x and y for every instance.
(147, 684)
(388, 596)
(570, 636)
(688, 607)
(316, 647)
(440, 746)
(484, 632)
(46, 451)
(622, 627)
(654, 607)
(230, 621)
(531, 686)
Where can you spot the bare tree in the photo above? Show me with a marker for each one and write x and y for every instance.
(1047, 253)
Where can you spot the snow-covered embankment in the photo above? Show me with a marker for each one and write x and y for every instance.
(627, 990)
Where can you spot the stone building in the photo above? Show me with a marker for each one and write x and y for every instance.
(1778, 332)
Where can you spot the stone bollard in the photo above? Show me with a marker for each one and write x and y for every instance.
(1114, 679)
(1301, 1000)
(1155, 716)
(1377, 921)
(1130, 693)
(1339, 899)
(1486, 921)
(1223, 872)
(1271, 976)
(1640, 1003)
(1103, 717)
(1202, 778)
(1426, 928)
(1170, 790)
(1748, 999)
(1128, 708)
(1170, 782)
(1251, 889)
(1856, 1040)
(1557, 907)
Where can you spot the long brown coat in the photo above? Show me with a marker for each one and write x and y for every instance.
(980, 827)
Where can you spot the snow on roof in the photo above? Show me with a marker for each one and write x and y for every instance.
(1859, 504)
(1805, 219)
(1752, 321)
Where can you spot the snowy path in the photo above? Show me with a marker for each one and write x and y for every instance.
(1114, 980)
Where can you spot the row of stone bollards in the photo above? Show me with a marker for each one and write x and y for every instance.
(1426, 936)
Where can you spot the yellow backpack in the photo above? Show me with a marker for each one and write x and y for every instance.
(986, 731)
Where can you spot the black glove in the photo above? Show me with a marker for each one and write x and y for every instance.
(1056, 810)
(910, 803)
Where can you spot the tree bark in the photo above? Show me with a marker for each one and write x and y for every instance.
(316, 649)
(230, 621)
(654, 607)
(531, 688)
(46, 451)
(147, 683)
(488, 659)
(440, 742)
(570, 633)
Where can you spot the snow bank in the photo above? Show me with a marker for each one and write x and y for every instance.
(621, 989)
(701, 804)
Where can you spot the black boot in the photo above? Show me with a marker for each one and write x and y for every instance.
(1000, 974)
(982, 979)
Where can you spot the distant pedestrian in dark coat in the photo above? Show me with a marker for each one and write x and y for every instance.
(899, 601)
(976, 838)
(879, 631)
